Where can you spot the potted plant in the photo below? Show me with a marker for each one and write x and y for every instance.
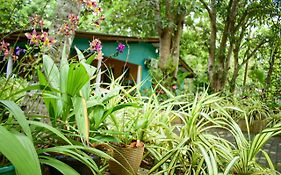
(256, 115)
(127, 158)
(101, 108)
(128, 126)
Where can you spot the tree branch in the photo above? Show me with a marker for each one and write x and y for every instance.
(168, 11)
(206, 6)
(228, 28)
(249, 56)
(158, 17)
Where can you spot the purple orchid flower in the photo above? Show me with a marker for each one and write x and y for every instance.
(19, 50)
(120, 48)
(95, 45)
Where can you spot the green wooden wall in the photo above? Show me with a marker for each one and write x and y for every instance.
(138, 52)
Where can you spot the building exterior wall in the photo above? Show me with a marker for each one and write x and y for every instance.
(135, 53)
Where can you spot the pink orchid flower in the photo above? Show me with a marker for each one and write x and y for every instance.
(33, 37)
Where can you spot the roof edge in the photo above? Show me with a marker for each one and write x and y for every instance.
(20, 35)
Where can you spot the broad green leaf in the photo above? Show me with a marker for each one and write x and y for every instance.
(80, 55)
(77, 78)
(81, 116)
(50, 128)
(59, 165)
(64, 69)
(97, 116)
(91, 59)
(19, 150)
(64, 57)
(50, 102)
(42, 79)
(86, 89)
(19, 116)
(51, 71)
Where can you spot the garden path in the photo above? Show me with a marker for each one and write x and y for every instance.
(272, 147)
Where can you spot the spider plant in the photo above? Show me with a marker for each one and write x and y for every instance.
(242, 154)
(132, 122)
(195, 149)
(187, 151)
(256, 110)
(247, 150)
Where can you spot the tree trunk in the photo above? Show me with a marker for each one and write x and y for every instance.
(216, 83)
(212, 50)
(176, 42)
(165, 46)
(218, 65)
(64, 9)
(169, 36)
(237, 45)
(227, 64)
(228, 29)
(245, 74)
(235, 71)
(165, 36)
(271, 68)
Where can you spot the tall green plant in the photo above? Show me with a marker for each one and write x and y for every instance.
(66, 91)
(23, 150)
(18, 147)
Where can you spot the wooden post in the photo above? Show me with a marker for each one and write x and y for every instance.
(139, 75)
(9, 67)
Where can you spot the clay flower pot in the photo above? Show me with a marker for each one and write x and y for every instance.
(255, 127)
(129, 158)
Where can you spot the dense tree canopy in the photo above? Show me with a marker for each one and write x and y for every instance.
(15, 13)
(224, 41)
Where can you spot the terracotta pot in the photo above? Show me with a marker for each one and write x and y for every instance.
(256, 127)
(129, 158)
